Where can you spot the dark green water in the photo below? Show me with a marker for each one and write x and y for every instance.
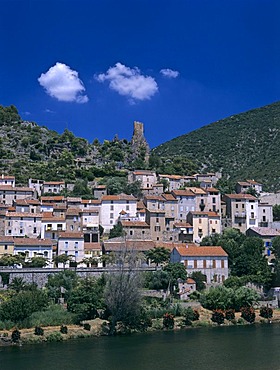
(225, 348)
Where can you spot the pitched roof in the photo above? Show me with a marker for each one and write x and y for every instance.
(92, 246)
(198, 251)
(183, 193)
(118, 197)
(26, 202)
(169, 197)
(172, 245)
(32, 242)
(118, 244)
(241, 196)
(53, 183)
(182, 224)
(212, 190)
(24, 214)
(16, 189)
(134, 224)
(57, 198)
(265, 231)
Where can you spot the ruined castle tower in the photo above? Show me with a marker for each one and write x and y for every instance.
(139, 144)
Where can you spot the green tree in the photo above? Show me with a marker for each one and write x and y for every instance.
(158, 255)
(62, 258)
(175, 271)
(276, 212)
(37, 261)
(67, 280)
(116, 231)
(17, 284)
(200, 280)
(86, 298)
(20, 306)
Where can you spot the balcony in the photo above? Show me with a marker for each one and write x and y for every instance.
(240, 215)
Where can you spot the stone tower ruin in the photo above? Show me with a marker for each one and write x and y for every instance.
(139, 144)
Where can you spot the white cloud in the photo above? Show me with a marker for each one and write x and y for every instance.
(129, 82)
(169, 73)
(48, 111)
(62, 83)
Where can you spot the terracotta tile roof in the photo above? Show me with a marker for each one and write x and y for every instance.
(7, 177)
(143, 172)
(100, 187)
(92, 246)
(58, 206)
(183, 193)
(209, 214)
(182, 224)
(196, 190)
(53, 183)
(90, 210)
(212, 190)
(73, 212)
(241, 196)
(32, 242)
(24, 214)
(243, 183)
(172, 177)
(169, 197)
(118, 197)
(6, 239)
(134, 224)
(141, 210)
(16, 189)
(140, 205)
(190, 281)
(69, 235)
(196, 251)
(51, 218)
(23, 202)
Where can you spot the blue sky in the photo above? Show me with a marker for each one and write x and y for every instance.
(94, 67)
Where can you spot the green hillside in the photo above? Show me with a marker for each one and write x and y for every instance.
(243, 146)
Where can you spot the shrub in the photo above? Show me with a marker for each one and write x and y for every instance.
(38, 330)
(218, 317)
(87, 326)
(266, 312)
(54, 315)
(54, 337)
(168, 320)
(15, 336)
(63, 329)
(248, 314)
(6, 325)
(190, 315)
(230, 314)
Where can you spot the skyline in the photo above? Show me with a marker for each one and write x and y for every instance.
(95, 67)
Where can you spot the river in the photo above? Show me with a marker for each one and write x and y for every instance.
(253, 347)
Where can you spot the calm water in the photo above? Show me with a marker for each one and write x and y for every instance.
(236, 348)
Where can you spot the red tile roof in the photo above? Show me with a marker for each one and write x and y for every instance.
(69, 235)
(240, 196)
(196, 251)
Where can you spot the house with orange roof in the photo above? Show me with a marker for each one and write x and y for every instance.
(6, 245)
(145, 177)
(34, 247)
(71, 244)
(52, 226)
(186, 202)
(210, 261)
(8, 194)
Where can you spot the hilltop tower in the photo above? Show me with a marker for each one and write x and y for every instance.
(139, 143)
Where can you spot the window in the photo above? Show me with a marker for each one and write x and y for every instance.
(111, 222)
(111, 215)
(46, 254)
(66, 244)
(71, 227)
(111, 208)
(157, 219)
(34, 230)
(127, 208)
(214, 208)
(252, 206)
(236, 205)
(214, 200)
(243, 205)
(130, 232)
(143, 232)
(5, 247)
(252, 215)
(264, 218)
(34, 219)
(21, 231)
(199, 220)
(157, 228)
(222, 264)
(76, 245)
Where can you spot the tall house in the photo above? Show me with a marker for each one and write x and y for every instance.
(54, 187)
(8, 194)
(186, 203)
(147, 178)
(204, 224)
(71, 244)
(241, 211)
(156, 220)
(23, 224)
(113, 205)
(265, 215)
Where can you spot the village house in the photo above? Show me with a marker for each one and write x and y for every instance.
(182, 232)
(99, 191)
(136, 230)
(7, 181)
(186, 288)
(23, 224)
(37, 185)
(34, 248)
(186, 202)
(267, 234)
(8, 194)
(73, 220)
(241, 211)
(52, 226)
(213, 200)
(145, 177)
(265, 214)
(71, 244)
(6, 245)
(54, 187)
(112, 206)
(93, 251)
(210, 261)
(156, 221)
(245, 186)
(204, 224)
(27, 205)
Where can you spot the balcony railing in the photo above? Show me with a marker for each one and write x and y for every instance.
(240, 214)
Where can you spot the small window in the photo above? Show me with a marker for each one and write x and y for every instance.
(5, 247)
(130, 232)
(34, 230)
(111, 215)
